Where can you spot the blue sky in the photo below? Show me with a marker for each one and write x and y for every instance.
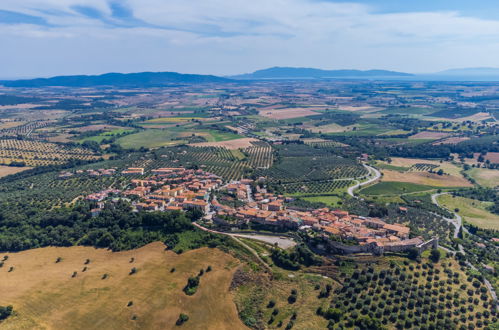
(53, 37)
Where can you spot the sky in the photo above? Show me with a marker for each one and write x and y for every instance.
(40, 38)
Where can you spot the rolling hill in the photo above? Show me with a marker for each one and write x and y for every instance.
(141, 79)
(310, 73)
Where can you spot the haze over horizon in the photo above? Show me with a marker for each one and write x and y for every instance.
(44, 38)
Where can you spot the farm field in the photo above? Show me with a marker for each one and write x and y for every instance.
(329, 200)
(106, 135)
(288, 113)
(473, 211)
(154, 138)
(8, 170)
(151, 138)
(425, 178)
(485, 177)
(231, 144)
(394, 188)
(34, 153)
(429, 135)
(416, 170)
(45, 294)
(391, 290)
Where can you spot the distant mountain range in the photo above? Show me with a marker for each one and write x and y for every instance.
(311, 73)
(141, 79)
(158, 79)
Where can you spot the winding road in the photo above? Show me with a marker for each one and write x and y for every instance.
(377, 175)
(457, 223)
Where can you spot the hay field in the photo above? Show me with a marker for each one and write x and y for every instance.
(452, 140)
(473, 211)
(46, 296)
(8, 170)
(429, 135)
(11, 124)
(425, 178)
(330, 128)
(231, 144)
(485, 177)
(447, 167)
(288, 113)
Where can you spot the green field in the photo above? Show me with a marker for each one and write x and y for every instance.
(217, 136)
(106, 135)
(151, 138)
(394, 188)
(329, 200)
(155, 138)
(485, 177)
(473, 211)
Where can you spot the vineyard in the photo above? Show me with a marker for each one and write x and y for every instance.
(304, 169)
(325, 144)
(34, 153)
(260, 155)
(316, 187)
(422, 167)
(25, 129)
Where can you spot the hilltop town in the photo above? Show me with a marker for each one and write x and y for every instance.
(175, 189)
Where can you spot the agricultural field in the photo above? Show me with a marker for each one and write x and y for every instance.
(33, 153)
(485, 177)
(429, 135)
(366, 292)
(332, 201)
(44, 290)
(394, 188)
(106, 135)
(288, 113)
(423, 171)
(154, 138)
(425, 178)
(472, 211)
(8, 170)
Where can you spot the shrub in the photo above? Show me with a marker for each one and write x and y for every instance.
(5, 312)
(133, 271)
(192, 285)
(182, 318)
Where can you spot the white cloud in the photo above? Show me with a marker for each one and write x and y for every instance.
(230, 36)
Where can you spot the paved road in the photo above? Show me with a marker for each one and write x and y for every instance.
(246, 246)
(282, 242)
(371, 170)
(457, 222)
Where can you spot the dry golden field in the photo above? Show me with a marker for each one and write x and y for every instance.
(231, 144)
(425, 178)
(8, 170)
(288, 113)
(46, 296)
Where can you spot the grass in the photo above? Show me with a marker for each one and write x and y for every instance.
(218, 136)
(151, 138)
(394, 188)
(106, 135)
(485, 177)
(8, 170)
(473, 211)
(385, 166)
(329, 200)
(46, 296)
(171, 120)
